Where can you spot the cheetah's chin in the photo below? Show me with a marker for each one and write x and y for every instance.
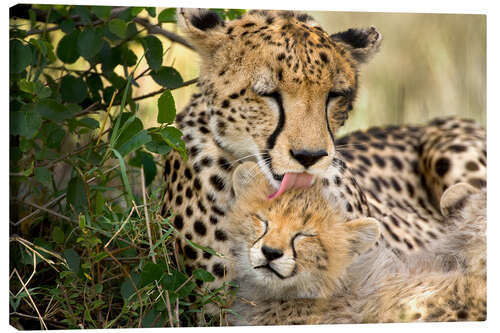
(292, 180)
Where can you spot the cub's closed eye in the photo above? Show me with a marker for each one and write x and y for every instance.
(338, 93)
(273, 94)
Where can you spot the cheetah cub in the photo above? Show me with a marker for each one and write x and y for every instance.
(299, 261)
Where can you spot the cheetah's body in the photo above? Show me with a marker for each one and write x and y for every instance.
(263, 77)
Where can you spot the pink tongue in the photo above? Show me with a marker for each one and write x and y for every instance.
(292, 180)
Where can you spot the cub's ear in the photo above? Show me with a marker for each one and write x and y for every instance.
(363, 43)
(204, 29)
(245, 176)
(362, 234)
(455, 197)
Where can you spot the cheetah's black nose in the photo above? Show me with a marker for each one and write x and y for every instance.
(271, 253)
(308, 157)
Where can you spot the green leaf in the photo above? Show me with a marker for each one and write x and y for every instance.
(83, 12)
(67, 26)
(167, 16)
(76, 195)
(89, 123)
(102, 12)
(134, 143)
(118, 27)
(203, 275)
(149, 166)
(44, 176)
(20, 56)
(151, 11)
(127, 56)
(51, 110)
(174, 138)
(58, 235)
(25, 144)
(158, 145)
(166, 108)
(41, 91)
(152, 272)
(108, 57)
(89, 43)
(130, 126)
(153, 51)
(174, 280)
(123, 171)
(26, 122)
(55, 138)
(73, 260)
(136, 11)
(99, 202)
(127, 289)
(167, 77)
(94, 83)
(26, 86)
(73, 89)
(67, 49)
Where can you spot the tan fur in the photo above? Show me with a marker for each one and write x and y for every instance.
(327, 245)
(447, 283)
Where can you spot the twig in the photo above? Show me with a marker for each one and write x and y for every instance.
(42, 323)
(170, 318)
(159, 91)
(148, 225)
(121, 227)
(154, 29)
(86, 110)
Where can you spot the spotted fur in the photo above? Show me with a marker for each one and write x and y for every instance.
(262, 77)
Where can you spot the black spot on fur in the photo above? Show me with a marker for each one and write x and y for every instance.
(281, 56)
(190, 252)
(213, 219)
(217, 182)
(471, 166)
(380, 161)
(442, 166)
(220, 235)
(324, 57)
(189, 211)
(188, 174)
(199, 228)
(178, 222)
(218, 270)
(397, 163)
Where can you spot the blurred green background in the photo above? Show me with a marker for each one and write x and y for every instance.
(429, 65)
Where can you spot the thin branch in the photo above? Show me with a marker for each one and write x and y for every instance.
(155, 29)
(161, 90)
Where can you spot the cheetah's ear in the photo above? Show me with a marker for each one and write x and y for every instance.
(245, 176)
(362, 234)
(454, 197)
(363, 43)
(203, 28)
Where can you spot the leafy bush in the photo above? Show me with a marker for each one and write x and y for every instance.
(89, 244)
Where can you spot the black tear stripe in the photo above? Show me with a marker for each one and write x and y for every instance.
(271, 140)
(328, 124)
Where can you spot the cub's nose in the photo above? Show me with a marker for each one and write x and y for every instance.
(308, 157)
(271, 253)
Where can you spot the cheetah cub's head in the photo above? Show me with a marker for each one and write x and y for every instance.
(277, 87)
(294, 246)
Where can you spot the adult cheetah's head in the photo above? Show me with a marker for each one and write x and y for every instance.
(296, 245)
(277, 87)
